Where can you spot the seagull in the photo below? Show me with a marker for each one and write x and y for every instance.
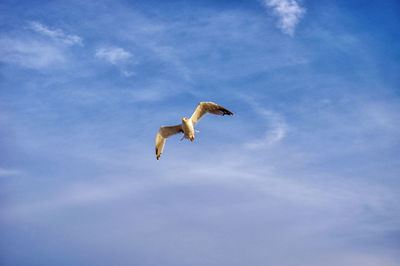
(187, 125)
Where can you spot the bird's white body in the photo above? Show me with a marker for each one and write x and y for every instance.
(188, 128)
(187, 125)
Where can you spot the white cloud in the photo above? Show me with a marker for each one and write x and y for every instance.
(289, 13)
(128, 73)
(276, 127)
(35, 52)
(113, 55)
(276, 131)
(171, 56)
(29, 53)
(9, 172)
(148, 95)
(56, 34)
(118, 57)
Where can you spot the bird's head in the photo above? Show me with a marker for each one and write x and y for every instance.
(185, 119)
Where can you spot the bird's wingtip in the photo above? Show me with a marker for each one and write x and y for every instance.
(228, 113)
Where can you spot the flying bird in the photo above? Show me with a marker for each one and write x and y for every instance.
(187, 125)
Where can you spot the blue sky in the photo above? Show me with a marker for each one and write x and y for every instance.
(305, 173)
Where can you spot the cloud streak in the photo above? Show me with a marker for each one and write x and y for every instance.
(276, 126)
(277, 129)
(29, 53)
(56, 34)
(9, 172)
(289, 13)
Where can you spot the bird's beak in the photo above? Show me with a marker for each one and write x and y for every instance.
(191, 138)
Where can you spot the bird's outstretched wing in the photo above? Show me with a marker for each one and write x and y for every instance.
(163, 134)
(208, 107)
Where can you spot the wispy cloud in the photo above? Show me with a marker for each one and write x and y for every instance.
(119, 57)
(277, 129)
(317, 192)
(127, 73)
(29, 53)
(113, 55)
(9, 172)
(170, 55)
(289, 13)
(275, 123)
(56, 34)
(78, 194)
